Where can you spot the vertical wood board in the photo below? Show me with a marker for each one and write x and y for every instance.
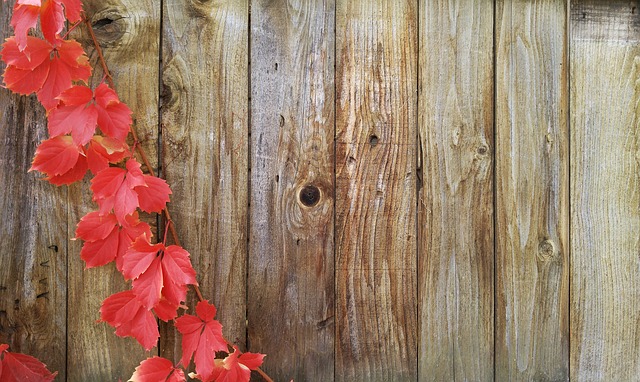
(376, 132)
(532, 208)
(128, 32)
(291, 258)
(455, 207)
(605, 199)
(204, 114)
(33, 234)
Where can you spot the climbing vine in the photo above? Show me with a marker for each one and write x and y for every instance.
(91, 132)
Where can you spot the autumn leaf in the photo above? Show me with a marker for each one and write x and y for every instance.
(236, 367)
(113, 189)
(56, 156)
(16, 367)
(80, 109)
(157, 369)
(104, 150)
(201, 338)
(43, 68)
(158, 271)
(106, 240)
(125, 312)
(51, 14)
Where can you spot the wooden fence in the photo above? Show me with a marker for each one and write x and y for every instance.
(370, 190)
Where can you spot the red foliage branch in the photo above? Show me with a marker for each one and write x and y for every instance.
(88, 129)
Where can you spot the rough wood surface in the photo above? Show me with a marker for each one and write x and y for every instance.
(605, 179)
(532, 211)
(204, 115)
(291, 258)
(376, 131)
(33, 234)
(128, 31)
(456, 196)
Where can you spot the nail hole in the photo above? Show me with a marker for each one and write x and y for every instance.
(310, 195)
(373, 140)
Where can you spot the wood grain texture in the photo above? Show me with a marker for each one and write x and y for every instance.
(376, 131)
(128, 32)
(204, 150)
(33, 234)
(605, 201)
(456, 199)
(532, 211)
(291, 258)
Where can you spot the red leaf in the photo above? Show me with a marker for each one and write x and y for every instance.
(113, 189)
(56, 156)
(114, 117)
(24, 17)
(125, 312)
(16, 367)
(105, 240)
(158, 271)
(105, 150)
(236, 367)
(157, 369)
(201, 335)
(75, 174)
(52, 19)
(155, 195)
(63, 63)
(74, 115)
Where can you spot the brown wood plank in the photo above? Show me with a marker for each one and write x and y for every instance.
(376, 132)
(291, 259)
(455, 208)
(605, 179)
(532, 211)
(204, 151)
(128, 32)
(33, 234)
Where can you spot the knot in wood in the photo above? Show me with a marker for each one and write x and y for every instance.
(310, 195)
(546, 250)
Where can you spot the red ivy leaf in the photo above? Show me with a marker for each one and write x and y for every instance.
(155, 195)
(56, 156)
(52, 18)
(157, 369)
(158, 271)
(125, 312)
(74, 114)
(236, 367)
(104, 150)
(16, 367)
(113, 189)
(43, 68)
(114, 117)
(106, 240)
(201, 335)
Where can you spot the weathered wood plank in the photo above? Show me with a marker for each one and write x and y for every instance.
(128, 32)
(605, 179)
(456, 197)
(204, 150)
(376, 131)
(532, 211)
(33, 234)
(291, 259)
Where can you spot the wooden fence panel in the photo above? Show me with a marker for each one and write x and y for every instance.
(532, 211)
(376, 131)
(122, 27)
(605, 179)
(456, 196)
(204, 115)
(33, 233)
(291, 258)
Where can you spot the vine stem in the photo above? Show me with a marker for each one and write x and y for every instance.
(145, 160)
